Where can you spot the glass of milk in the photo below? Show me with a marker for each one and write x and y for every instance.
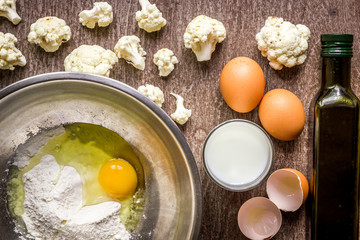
(238, 155)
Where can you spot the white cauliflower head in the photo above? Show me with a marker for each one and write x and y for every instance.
(181, 114)
(202, 34)
(90, 59)
(152, 92)
(165, 60)
(8, 10)
(129, 48)
(283, 43)
(49, 33)
(149, 18)
(9, 54)
(102, 14)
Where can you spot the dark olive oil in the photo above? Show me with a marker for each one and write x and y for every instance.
(335, 206)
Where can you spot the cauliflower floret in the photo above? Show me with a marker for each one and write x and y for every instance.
(129, 48)
(181, 114)
(49, 33)
(8, 10)
(165, 60)
(102, 14)
(90, 59)
(9, 54)
(202, 34)
(283, 43)
(149, 18)
(152, 92)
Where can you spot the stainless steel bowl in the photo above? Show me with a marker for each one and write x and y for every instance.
(173, 193)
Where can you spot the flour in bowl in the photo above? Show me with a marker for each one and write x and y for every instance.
(53, 207)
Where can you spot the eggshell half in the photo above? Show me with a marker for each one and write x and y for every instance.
(259, 218)
(287, 188)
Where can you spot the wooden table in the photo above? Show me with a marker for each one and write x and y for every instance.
(198, 82)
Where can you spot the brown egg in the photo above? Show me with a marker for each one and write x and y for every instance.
(242, 84)
(282, 114)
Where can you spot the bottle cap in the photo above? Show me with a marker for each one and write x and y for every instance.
(336, 45)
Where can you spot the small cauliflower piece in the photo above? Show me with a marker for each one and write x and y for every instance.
(90, 59)
(129, 48)
(49, 33)
(181, 114)
(152, 92)
(8, 10)
(10, 56)
(283, 43)
(165, 60)
(202, 34)
(149, 18)
(102, 14)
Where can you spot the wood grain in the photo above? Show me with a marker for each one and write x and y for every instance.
(198, 82)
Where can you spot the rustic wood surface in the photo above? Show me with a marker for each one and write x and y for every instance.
(198, 82)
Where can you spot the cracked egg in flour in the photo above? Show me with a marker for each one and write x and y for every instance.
(109, 170)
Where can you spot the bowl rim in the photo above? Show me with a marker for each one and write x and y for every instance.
(120, 86)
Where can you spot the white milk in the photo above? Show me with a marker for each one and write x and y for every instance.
(237, 153)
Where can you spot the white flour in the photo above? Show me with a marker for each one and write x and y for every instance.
(53, 207)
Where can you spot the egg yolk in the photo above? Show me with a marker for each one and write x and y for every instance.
(118, 178)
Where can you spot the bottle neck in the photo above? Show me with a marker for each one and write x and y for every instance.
(336, 71)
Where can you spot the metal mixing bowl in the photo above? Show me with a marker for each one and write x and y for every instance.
(173, 195)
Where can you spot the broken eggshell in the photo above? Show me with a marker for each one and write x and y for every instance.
(287, 188)
(259, 218)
